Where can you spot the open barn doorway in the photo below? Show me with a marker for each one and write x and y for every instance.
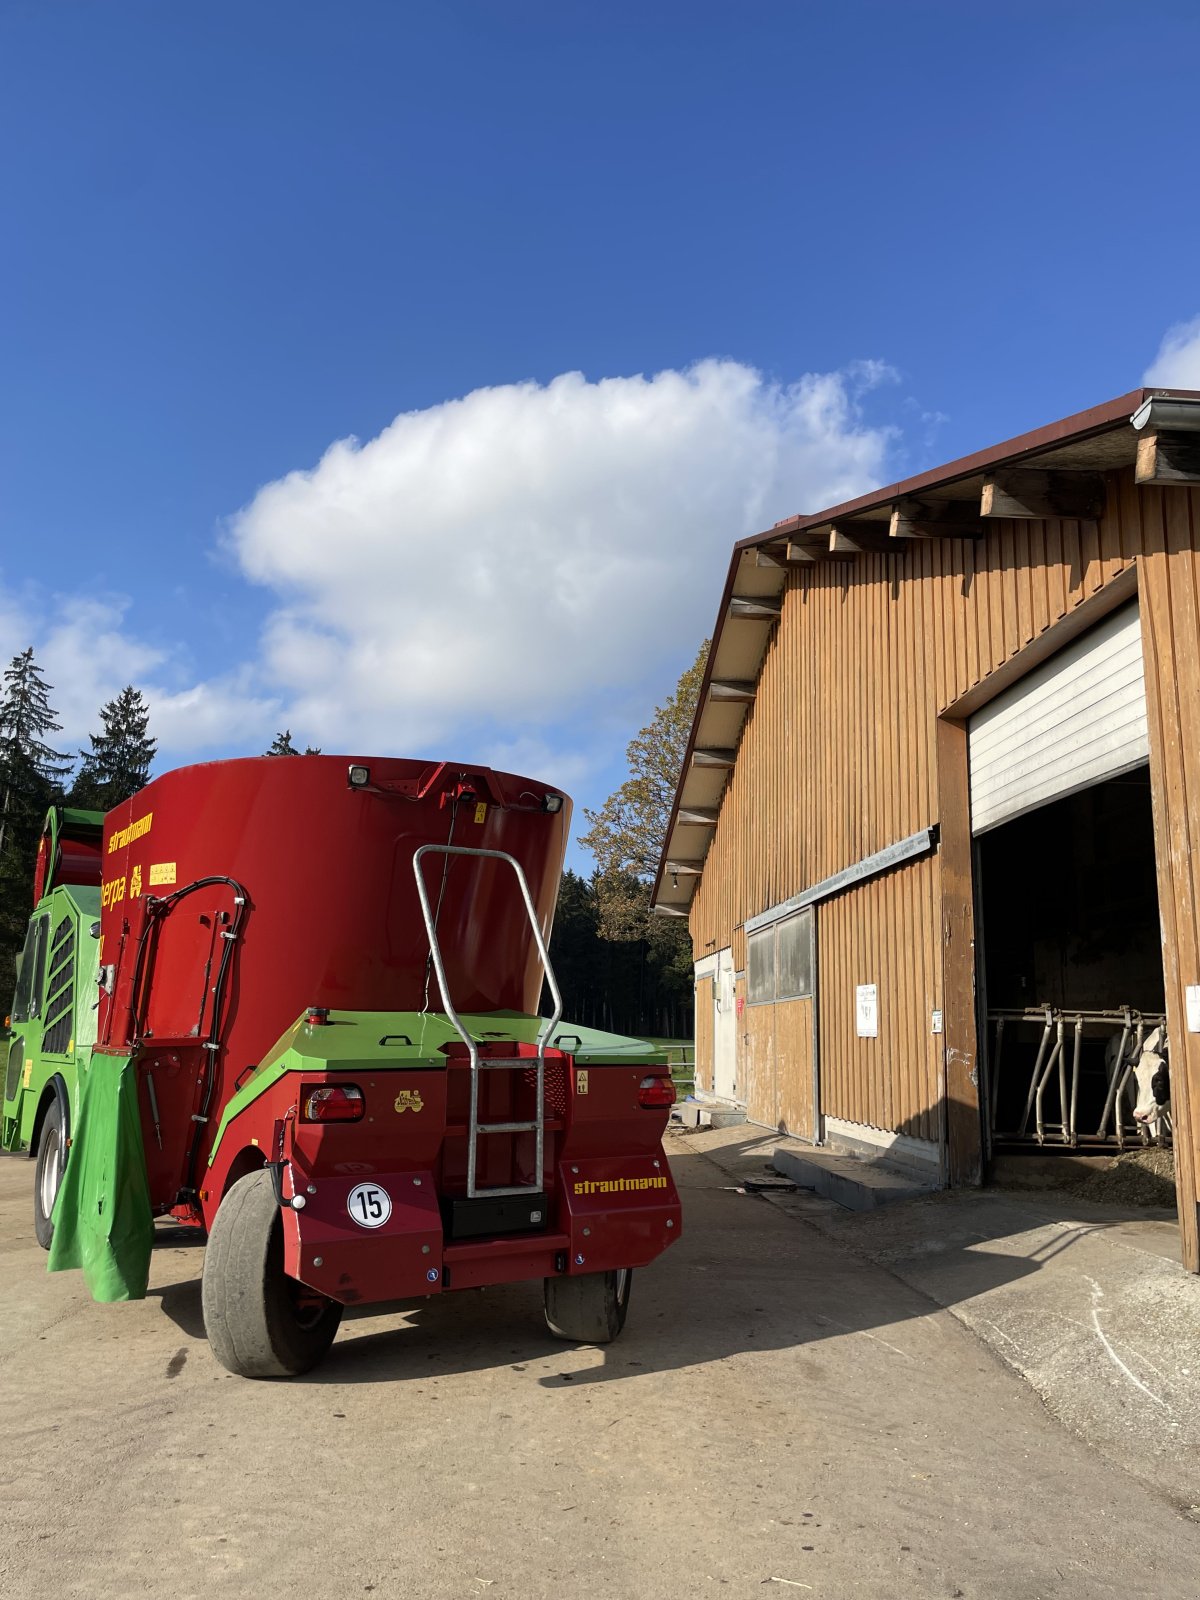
(1072, 963)
(1072, 1002)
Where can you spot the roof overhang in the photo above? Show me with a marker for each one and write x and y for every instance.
(1056, 471)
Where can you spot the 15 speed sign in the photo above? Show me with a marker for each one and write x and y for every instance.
(369, 1205)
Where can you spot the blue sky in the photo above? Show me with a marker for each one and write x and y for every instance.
(792, 250)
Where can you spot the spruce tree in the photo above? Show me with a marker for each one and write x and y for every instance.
(31, 777)
(281, 745)
(118, 764)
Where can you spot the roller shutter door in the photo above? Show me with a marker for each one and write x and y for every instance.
(1075, 720)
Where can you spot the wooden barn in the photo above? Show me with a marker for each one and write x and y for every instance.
(938, 828)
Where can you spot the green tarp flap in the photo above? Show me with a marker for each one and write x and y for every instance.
(102, 1218)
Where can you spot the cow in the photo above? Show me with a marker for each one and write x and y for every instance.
(1152, 1107)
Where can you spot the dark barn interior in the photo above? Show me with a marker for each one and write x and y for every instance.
(1069, 925)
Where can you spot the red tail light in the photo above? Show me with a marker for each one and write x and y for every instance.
(332, 1102)
(656, 1093)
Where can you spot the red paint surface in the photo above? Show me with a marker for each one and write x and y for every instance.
(610, 1196)
(331, 919)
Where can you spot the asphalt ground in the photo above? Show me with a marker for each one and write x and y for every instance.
(781, 1416)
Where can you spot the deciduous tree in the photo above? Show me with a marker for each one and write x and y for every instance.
(629, 830)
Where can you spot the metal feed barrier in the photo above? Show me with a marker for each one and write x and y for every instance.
(1051, 1061)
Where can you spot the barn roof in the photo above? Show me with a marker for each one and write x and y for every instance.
(1055, 471)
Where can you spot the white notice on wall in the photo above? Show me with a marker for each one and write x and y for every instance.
(866, 1011)
(936, 1023)
(1193, 1007)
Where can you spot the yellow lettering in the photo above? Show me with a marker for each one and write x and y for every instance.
(126, 836)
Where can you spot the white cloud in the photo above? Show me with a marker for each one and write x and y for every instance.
(89, 656)
(515, 577)
(1177, 364)
(88, 652)
(527, 553)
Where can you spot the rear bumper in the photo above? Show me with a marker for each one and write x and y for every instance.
(607, 1214)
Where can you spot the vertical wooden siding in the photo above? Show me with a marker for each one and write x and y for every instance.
(1169, 594)
(794, 1074)
(704, 1035)
(756, 1064)
(776, 1065)
(880, 933)
(838, 754)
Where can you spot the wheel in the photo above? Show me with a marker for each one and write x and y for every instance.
(51, 1164)
(589, 1309)
(260, 1323)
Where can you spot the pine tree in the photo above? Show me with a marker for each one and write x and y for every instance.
(118, 764)
(31, 776)
(281, 745)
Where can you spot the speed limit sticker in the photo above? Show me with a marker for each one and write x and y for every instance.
(369, 1205)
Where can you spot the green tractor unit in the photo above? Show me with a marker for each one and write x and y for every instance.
(53, 1018)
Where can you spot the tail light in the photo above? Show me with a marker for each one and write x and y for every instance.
(655, 1094)
(332, 1102)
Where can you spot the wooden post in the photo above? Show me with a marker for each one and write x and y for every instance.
(1170, 630)
(960, 1045)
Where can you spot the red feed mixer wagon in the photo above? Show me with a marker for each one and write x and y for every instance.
(318, 1040)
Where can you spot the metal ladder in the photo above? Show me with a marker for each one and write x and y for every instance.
(493, 1064)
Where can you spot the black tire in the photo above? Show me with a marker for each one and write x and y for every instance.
(260, 1323)
(588, 1309)
(48, 1173)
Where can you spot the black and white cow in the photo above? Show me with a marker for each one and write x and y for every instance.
(1152, 1105)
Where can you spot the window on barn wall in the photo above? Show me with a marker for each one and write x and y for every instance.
(780, 961)
(794, 957)
(760, 958)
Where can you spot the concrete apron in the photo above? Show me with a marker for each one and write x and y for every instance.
(1086, 1302)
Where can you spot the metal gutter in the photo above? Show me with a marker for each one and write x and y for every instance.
(917, 844)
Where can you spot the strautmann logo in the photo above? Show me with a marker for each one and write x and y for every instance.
(618, 1185)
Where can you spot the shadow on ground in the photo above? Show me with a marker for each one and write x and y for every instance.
(743, 1279)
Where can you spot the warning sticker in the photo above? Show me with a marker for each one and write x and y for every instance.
(481, 812)
(369, 1205)
(162, 872)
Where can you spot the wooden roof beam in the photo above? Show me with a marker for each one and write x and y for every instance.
(771, 555)
(1026, 492)
(935, 519)
(855, 538)
(684, 869)
(756, 607)
(696, 816)
(741, 690)
(1168, 458)
(713, 757)
(800, 554)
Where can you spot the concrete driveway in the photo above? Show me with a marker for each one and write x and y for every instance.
(780, 1417)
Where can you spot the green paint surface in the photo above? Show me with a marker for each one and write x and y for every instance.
(103, 1223)
(377, 1041)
